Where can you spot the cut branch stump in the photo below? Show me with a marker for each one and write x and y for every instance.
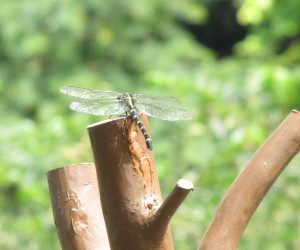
(135, 215)
(76, 208)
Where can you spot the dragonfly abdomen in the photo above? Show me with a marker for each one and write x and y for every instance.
(137, 119)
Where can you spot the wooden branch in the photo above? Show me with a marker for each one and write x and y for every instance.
(76, 208)
(130, 191)
(163, 215)
(247, 191)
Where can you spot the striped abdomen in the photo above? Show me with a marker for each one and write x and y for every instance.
(137, 119)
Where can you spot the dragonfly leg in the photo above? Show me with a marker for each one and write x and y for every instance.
(124, 126)
(125, 122)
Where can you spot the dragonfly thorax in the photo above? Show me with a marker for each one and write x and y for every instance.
(127, 100)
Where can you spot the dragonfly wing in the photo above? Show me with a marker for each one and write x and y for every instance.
(88, 93)
(164, 113)
(161, 101)
(93, 107)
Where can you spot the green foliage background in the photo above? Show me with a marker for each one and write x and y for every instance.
(138, 46)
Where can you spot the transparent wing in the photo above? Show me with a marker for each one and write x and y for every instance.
(94, 107)
(161, 101)
(164, 113)
(88, 93)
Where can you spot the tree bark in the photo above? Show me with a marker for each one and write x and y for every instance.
(129, 187)
(250, 187)
(76, 208)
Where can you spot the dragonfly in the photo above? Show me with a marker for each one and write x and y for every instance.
(110, 103)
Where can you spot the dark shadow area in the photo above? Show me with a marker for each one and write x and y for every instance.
(221, 30)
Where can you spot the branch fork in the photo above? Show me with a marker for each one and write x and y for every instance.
(135, 214)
